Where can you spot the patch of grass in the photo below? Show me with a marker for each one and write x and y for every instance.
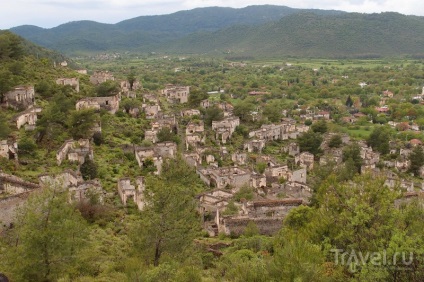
(359, 133)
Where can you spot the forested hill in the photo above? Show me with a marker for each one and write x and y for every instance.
(146, 33)
(15, 47)
(22, 62)
(311, 35)
(257, 31)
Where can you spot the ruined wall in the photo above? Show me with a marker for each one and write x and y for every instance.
(11, 184)
(8, 208)
(236, 226)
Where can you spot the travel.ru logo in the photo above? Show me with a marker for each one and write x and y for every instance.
(354, 259)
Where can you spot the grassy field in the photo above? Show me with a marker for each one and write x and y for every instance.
(317, 63)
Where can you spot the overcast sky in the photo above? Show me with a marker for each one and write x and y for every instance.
(51, 13)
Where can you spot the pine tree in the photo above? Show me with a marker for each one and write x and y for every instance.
(47, 237)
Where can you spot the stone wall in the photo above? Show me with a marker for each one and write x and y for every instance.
(13, 185)
(237, 226)
(8, 208)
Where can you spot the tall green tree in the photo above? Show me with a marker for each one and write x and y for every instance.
(165, 134)
(131, 79)
(273, 111)
(319, 126)
(417, 160)
(310, 142)
(82, 122)
(10, 46)
(88, 169)
(335, 141)
(107, 88)
(353, 152)
(53, 122)
(379, 139)
(196, 96)
(168, 222)
(47, 238)
(243, 109)
(213, 113)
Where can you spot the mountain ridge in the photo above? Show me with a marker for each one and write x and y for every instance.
(145, 33)
(254, 31)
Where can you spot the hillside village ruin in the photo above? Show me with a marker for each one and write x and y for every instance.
(277, 188)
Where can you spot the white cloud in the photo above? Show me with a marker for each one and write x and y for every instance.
(50, 13)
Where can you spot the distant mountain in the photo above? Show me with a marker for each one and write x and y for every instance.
(146, 33)
(312, 35)
(259, 31)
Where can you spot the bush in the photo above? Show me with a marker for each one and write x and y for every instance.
(98, 138)
(88, 169)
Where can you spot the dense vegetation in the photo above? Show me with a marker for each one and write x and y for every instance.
(342, 235)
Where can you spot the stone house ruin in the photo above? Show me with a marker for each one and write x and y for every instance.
(275, 172)
(210, 205)
(254, 145)
(20, 97)
(8, 149)
(225, 128)
(156, 154)
(305, 159)
(195, 134)
(169, 122)
(129, 91)
(176, 94)
(190, 113)
(79, 190)
(267, 215)
(257, 181)
(290, 189)
(283, 131)
(221, 178)
(73, 82)
(150, 98)
(101, 76)
(192, 159)
(333, 155)
(270, 208)
(205, 103)
(369, 157)
(135, 192)
(14, 192)
(151, 111)
(293, 149)
(75, 151)
(84, 190)
(213, 200)
(27, 118)
(110, 103)
(239, 158)
(151, 135)
(227, 108)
